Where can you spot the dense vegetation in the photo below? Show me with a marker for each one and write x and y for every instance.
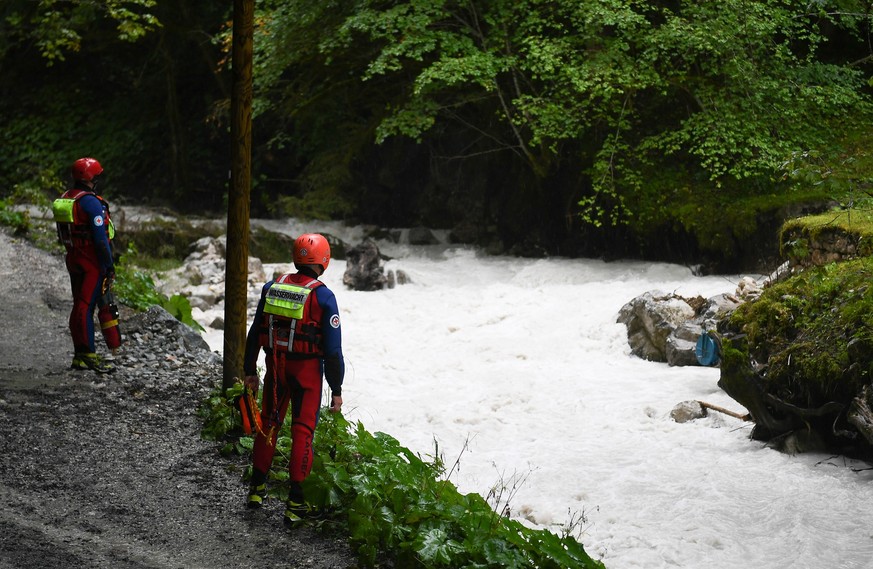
(670, 129)
(400, 507)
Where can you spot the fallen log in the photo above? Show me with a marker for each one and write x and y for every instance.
(740, 416)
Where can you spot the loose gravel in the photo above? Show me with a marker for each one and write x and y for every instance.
(110, 470)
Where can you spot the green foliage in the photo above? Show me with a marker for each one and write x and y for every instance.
(399, 503)
(843, 170)
(180, 308)
(135, 287)
(38, 190)
(728, 90)
(132, 286)
(18, 221)
(393, 502)
(407, 112)
(72, 97)
(222, 422)
(31, 192)
(56, 27)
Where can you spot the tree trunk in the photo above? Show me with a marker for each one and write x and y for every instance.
(238, 205)
(741, 383)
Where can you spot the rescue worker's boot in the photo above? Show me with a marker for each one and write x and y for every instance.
(296, 512)
(296, 508)
(86, 361)
(257, 489)
(257, 495)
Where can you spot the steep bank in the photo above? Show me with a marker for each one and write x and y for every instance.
(109, 471)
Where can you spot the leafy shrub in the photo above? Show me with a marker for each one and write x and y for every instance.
(392, 502)
(136, 288)
(180, 308)
(18, 221)
(32, 192)
(221, 421)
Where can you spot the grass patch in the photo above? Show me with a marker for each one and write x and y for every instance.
(855, 220)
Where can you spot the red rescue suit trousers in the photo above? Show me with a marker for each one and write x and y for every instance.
(86, 282)
(299, 384)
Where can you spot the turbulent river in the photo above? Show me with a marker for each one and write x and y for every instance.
(517, 370)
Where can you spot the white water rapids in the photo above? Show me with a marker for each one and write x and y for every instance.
(517, 368)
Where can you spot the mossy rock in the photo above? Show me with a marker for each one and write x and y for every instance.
(811, 336)
(272, 247)
(164, 239)
(835, 235)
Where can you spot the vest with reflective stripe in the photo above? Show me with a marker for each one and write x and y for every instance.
(73, 229)
(292, 317)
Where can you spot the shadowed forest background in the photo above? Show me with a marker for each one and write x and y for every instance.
(664, 130)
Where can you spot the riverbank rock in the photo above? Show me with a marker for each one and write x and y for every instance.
(201, 277)
(665, 327)
(828, 244)
(688, 411)
(650, 319)
(365, 269)
(180, 338)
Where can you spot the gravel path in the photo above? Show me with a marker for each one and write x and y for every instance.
(110, 471)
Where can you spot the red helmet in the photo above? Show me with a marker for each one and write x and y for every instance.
(86, 169)
(312, 249)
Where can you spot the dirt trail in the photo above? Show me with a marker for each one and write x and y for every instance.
(110, 471)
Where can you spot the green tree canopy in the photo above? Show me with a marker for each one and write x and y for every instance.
(574, 126)
(613, 88)
(56, 27)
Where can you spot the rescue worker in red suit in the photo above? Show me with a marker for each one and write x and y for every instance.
(85, 229)
(297, 324)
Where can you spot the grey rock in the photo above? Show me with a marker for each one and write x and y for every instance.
(422, 236)
(687, 411)
(650, 319)
(364, 268)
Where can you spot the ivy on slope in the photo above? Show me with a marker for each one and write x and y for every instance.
(396, 504)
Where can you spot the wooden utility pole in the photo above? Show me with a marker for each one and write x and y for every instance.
(236, 272)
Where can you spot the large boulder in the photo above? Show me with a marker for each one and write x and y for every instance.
(665, 327)
(201, 276)
(650, 319)
(365, 269)
(681, 343)
(422, 236)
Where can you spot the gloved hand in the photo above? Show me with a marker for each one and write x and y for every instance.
(253, 382)
(336, 403)
(109, 279)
